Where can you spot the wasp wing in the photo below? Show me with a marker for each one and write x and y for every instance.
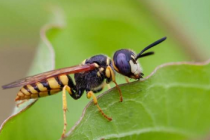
(53, 73)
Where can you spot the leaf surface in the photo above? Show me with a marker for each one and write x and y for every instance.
(173, 103)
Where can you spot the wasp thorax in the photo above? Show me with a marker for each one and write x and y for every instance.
(125, 64)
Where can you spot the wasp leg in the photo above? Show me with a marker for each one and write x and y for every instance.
(127, 80)
(66, 87)
(91, 94)
(108, 86)
(110, 73)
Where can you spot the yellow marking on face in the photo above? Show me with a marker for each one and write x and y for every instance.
(25, 91)
(53, 83)
(41, 87)
(135, 68)
(108, 73)
(20, 94)
(35, 95)
(64, 79)
(43, 93)
(115, 66)
(133, 57)
(32, 90)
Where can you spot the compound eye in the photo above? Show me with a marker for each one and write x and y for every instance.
(122, 64)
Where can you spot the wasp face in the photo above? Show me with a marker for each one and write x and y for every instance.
(124, 62)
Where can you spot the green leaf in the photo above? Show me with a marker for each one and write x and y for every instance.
(173, 103)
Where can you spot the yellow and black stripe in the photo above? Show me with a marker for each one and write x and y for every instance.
(43, 88)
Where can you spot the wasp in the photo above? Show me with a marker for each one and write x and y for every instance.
(91, 76)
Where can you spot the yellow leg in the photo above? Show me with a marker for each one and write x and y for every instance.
(110, 73)
(127, 80)
(65, 107)
(108, 86)
(91, 94)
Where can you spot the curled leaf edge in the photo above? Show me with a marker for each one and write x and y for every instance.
(44, 38)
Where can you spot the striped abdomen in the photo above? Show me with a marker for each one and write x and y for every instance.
(44, 88)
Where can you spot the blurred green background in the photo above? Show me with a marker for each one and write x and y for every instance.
(93, 27)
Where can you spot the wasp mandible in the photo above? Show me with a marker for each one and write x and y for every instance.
(90, 77)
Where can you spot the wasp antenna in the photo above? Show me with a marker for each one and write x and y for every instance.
(150, 46)
(146, 54)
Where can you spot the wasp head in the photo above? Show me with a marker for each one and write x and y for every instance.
(126, 63)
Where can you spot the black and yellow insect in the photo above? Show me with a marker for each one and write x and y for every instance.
(91, 76)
